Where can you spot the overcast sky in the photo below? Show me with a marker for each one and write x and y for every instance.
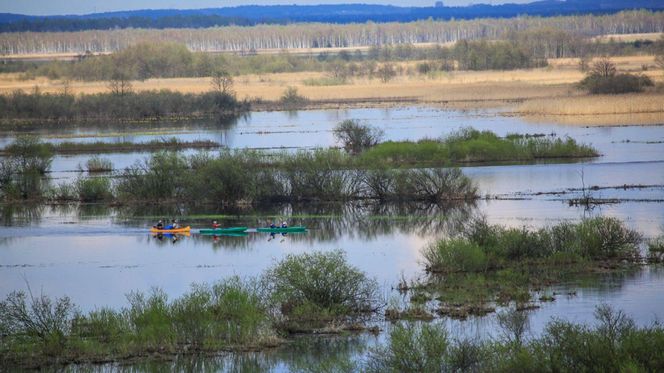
(49, 7)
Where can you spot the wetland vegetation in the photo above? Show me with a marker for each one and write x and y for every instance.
(229, 315)
(613, 344)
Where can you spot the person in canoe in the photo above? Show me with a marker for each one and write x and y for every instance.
(272, 225)
(160, 225)
(215, 225)
(284, 224)
(174, 225)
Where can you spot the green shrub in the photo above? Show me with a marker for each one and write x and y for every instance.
(94, 189)
(454, 256)
(291, 98)
(411, 348)
(320, 283)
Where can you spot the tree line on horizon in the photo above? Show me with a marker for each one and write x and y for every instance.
(320, 35)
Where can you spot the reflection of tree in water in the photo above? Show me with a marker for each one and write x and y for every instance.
(304, 354)
(20, 214)
(326, 221)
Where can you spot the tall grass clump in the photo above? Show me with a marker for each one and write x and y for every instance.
(482, 247)
(98, 164)
(320, 286)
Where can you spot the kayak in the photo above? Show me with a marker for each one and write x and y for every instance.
(223, 230)
(282, 230)
(167, 234)
(178, 230)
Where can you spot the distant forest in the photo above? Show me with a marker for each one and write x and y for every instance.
(285, 14)
(247, 40)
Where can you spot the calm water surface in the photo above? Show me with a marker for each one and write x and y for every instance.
(96, 255)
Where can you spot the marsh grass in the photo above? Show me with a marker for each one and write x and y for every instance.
(171, 143)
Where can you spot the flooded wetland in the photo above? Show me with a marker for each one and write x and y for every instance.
(96, 254)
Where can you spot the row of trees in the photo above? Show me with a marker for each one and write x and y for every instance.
(122, 103)
(167, 59)
(318, 35)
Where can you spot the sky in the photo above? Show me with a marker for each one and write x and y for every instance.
(51, 7)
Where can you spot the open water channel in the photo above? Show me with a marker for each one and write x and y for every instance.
(96, 255)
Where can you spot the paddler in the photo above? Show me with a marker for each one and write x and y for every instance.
(215, 225)
(160, 225)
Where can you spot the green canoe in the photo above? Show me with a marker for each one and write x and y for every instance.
(223, 230)
(282, 230)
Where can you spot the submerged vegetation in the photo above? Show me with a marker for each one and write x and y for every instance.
(229, 315)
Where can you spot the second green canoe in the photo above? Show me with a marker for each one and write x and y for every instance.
(282, 230)
(223, 230)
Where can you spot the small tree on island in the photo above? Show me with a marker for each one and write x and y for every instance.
(120, 83)
(222, 82)
(357, 137)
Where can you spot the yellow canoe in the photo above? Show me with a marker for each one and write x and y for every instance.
(178, 230)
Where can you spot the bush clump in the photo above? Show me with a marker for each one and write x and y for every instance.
(320, 285)
(615, 84)
(603, 78)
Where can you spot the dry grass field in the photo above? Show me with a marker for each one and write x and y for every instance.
(546, 91)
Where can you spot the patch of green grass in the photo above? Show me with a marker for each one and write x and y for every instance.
(470, 145)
